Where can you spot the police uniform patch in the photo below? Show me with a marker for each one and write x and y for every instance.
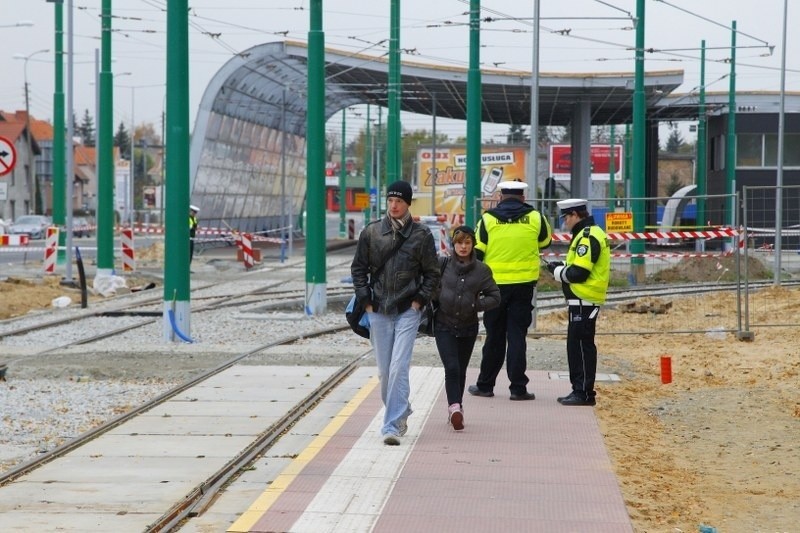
(581, 250)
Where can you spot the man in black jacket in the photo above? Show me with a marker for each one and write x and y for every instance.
(403, 255)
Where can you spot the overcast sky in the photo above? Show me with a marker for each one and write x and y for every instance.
(576, 36)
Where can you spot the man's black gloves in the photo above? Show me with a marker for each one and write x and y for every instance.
(551, 266)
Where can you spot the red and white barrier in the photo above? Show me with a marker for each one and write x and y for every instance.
(652, 235)
(51, 250)
(443, 248)
(14, 240)
(247, 250)
(128, 259)
(655, 235)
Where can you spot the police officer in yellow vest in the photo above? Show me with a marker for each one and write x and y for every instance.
(509, 238)
(193, 211)
(584, 280)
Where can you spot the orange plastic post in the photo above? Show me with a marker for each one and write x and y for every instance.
(666, 369)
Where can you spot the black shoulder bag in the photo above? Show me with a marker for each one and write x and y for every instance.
(355, 311)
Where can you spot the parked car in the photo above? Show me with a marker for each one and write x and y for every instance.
(82, 227)
(33, 225)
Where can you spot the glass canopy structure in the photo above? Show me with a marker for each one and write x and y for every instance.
(248, 151)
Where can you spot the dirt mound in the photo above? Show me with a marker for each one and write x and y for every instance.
(20, 296)
(713, 269)
(154, 252)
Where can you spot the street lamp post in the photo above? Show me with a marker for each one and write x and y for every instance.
(30, 173)
(132, 173)
(96, 83)
(129, 211)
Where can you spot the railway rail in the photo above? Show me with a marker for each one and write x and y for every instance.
(204, 492)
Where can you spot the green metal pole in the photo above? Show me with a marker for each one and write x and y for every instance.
(612, 169)
(380, 173)
(176, 262)
(473, 115)
(105, 135)
(343, 181)
(626, 173)
(701, 142)
(368, 171)
(393, 122)
(730, 141)
(59, 137)
(315, 153)
(639, 131)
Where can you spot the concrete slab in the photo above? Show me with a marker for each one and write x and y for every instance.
(76, 522)
(194, 426)
(274, 409)
(143, 447)
(158, 470)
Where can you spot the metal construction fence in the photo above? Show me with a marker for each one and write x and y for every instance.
(695, 267)
(673, 275)
(771, 221)
(676, 275)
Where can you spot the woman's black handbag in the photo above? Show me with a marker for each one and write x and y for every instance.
(428, 320)
(426, 323)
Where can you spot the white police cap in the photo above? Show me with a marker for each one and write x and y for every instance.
(194, 208)
(573, 204)
(513, 187)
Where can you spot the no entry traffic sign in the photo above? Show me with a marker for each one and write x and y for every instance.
(8, 156)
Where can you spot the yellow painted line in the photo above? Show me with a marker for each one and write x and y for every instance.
(257, 509)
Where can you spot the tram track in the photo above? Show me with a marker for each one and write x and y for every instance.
(96, 432)
(157, 314)
(152, 308)
(203, 495)
(95, 359)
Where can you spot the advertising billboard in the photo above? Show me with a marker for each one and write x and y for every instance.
(498, 163)
(599, 160)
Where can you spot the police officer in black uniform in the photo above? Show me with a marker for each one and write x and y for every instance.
(584, 280)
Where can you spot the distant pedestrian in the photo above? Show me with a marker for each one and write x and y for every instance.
(467, 288)
(584, 279)
(405, 253)
(509, 239)
(193, 212)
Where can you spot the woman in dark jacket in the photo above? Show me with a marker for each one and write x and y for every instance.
(467, 287)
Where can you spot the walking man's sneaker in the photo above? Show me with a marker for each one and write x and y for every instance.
(475, 391)
(402, 426)
(391, 440)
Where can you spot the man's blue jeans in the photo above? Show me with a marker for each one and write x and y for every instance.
(392, 338)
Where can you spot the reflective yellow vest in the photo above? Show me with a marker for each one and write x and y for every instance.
(580, 254)
(513, 248)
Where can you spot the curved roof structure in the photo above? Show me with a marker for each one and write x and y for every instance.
(251, 85)
(263, 91)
